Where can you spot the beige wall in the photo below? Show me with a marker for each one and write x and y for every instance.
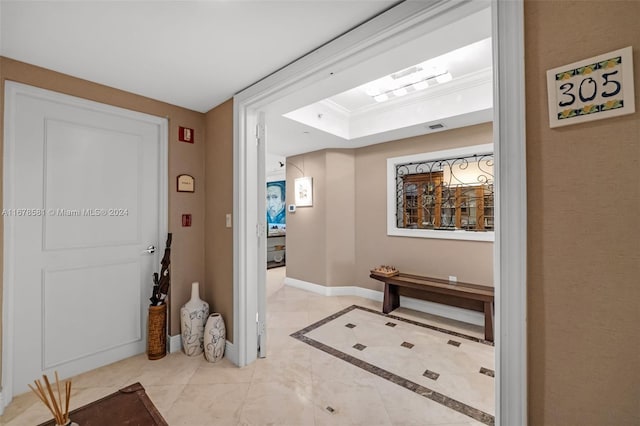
(469, 261)
(219, 201)
(338, 240)
(187, 254)
(583, 197)
(340, 217)
(306, 228)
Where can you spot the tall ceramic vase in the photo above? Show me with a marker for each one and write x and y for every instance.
(215, 336)
(193, 316)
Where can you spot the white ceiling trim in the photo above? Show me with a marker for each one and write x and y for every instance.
(472, 92)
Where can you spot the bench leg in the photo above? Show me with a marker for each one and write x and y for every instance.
(488, 321)
(391, 298)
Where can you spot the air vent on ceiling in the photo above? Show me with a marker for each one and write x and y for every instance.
(436, 126)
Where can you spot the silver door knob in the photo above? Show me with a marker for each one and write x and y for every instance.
(150, 250)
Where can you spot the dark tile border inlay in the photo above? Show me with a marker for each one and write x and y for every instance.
(350, 325)
(453, 343)
(391, 324)
(431, 374)
(438, 397)
(359, 347)
(487, 372)
(407, 345)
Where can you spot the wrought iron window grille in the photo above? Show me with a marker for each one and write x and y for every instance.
(446, 194)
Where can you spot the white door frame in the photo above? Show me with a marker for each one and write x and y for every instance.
(398, 24)
(12, 90)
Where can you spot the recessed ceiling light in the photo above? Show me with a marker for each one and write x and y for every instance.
(381, 98)
(443, 78)
(400, 92)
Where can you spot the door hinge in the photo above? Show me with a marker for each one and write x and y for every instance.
(259, 133)
(260, 230)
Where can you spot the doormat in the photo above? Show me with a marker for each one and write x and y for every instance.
(447, 367)
(128, 406)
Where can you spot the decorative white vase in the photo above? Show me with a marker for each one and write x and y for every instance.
(215, 337)
(193, 316)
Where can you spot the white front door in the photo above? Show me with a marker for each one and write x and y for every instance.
(82, 205)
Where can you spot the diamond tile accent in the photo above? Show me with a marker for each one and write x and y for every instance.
(330, 409)
(413, 386)
(391, 324)
(350, 325)
(453, 343)
(431, 374)
(487, 372)
(359, 347)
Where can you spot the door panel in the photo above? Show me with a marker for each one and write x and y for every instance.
(81, 276)
(78, 160)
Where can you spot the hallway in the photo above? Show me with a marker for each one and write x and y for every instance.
(296, 384)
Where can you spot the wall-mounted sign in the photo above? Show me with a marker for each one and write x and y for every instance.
(185, 134)
(186, 183)
(591, 89)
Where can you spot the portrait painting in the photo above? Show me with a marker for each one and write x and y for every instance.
(276, 203)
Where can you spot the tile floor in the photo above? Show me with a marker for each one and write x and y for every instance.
(295, 385)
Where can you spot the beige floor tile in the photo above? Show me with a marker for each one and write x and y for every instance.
(278, 403)
(20, 404)
(352, 401)
(293, 365)
(205, 405)
(222, 371)
(119, 374)
(173, 369)
(287, 319)
(164, 396)
(279, 339)
(328, 367)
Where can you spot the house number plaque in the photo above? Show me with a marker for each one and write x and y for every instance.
(591, 89)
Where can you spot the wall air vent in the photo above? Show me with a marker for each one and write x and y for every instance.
(436, 126)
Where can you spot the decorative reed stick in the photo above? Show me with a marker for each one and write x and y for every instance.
(60, 413)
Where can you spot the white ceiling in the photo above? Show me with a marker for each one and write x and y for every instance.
(194, 54)
(198, 54)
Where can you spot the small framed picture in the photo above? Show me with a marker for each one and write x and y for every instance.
(186, 183)
(304, 191)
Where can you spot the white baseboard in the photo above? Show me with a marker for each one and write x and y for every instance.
(451, 312)
(175, 343)
(231, 352)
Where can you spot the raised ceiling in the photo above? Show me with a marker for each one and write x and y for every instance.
(344, 116)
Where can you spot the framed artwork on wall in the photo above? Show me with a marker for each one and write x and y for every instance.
(304, 192)
(276, 212)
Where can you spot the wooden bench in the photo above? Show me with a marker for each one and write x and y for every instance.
(463, 295)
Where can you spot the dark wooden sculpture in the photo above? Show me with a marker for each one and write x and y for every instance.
(161, 284)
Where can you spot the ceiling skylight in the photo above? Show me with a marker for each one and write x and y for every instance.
(412, 79)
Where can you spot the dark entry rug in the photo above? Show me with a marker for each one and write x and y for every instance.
(129, 406)
(447, 367)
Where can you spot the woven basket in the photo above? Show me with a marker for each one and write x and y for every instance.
(157, 335)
